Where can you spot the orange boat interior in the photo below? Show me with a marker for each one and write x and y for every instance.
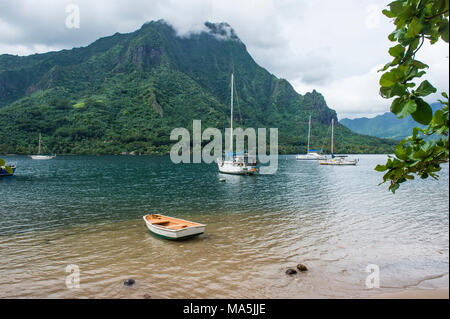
(168, 222)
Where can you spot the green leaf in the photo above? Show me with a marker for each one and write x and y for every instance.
(414, 28)
(420, 154)
(9, 169)
(397, 35)
(425, 88)
(386, 92)
(388, 79)
(419, 65)
(400, 152)
(397, 105)
(388, 13)
(409, 107)
(423, 113)
(394, 187)
(397, 51)
(385, 67)
(396, 90)
(438, 118)
(396, 7)
(443, 29)
(380, 168)
(2, 162)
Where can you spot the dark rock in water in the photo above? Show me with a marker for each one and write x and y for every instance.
(147, 296)
(129, 282)
(302, 267)
(291, 271)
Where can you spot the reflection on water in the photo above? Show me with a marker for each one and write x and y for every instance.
(88, 210)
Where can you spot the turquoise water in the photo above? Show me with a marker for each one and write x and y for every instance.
(335, 219)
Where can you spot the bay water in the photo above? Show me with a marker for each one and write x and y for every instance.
(87, 211)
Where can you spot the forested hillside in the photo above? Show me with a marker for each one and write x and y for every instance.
(126, 92)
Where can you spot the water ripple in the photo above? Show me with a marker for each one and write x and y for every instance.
(81, 210)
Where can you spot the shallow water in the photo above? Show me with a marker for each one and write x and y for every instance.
(87, 211)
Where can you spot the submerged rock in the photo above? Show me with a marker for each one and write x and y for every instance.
(129, 282)
(302, 267)
(291, 271)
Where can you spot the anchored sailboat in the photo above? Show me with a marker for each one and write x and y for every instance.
(337, 159)
(240, 164)
(311, 154)
(39, 156)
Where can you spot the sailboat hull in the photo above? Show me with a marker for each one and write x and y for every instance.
(42, 157)
(311, 156)
(229, 167)
(338, 162)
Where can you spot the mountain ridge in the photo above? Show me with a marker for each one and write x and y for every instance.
(386, 125)
(125, 92)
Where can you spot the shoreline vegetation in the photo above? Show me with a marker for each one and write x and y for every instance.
(127, 92)
(168, 154)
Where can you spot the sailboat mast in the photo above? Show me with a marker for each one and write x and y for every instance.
(231, 131)
(309, 133)
(332, 136)
(39, 146)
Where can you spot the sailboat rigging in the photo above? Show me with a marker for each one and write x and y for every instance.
(39, 156)
(336, 159)
(311, 154)
(234, 163)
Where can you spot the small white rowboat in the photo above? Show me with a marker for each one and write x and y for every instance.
(172, 228)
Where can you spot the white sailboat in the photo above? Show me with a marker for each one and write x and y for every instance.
(240, 164)
(337, 159)
(311, 154)
(39, 156)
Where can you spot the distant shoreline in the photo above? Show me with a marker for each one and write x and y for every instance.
(164, 154)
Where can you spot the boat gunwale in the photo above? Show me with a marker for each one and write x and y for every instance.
(197, 225)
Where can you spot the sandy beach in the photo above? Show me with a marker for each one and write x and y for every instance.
(441, 293)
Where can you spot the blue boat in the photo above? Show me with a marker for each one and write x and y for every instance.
(6, 170)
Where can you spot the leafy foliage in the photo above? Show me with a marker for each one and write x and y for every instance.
(7, 168)
(126, 92)
(416, 21)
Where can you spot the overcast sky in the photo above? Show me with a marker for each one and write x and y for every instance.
(335, 47)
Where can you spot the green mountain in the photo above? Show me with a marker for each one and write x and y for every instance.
(126, 92)
(386, 125)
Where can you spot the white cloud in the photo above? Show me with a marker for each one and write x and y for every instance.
(331, 46)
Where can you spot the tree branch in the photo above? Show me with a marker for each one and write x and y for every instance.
(436, 15)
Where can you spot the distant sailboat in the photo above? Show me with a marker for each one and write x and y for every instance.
(240, 164)
(39, 156)
(337, 159)
(311, 154)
